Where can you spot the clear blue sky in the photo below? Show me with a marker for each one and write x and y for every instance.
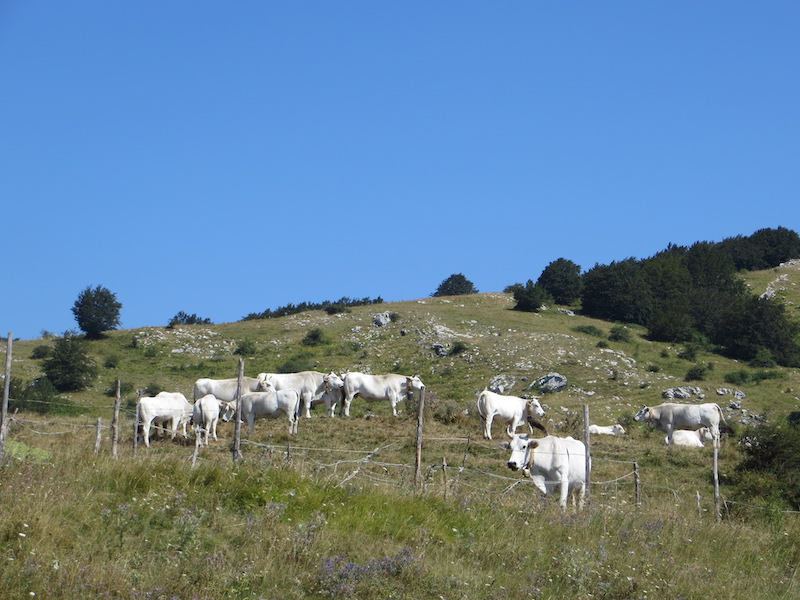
(225, 158)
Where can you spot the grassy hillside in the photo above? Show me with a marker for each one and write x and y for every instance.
(333, 513)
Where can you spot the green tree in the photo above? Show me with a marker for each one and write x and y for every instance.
(69, 367)
(96, 310)
(617, 292)
(562, 279)
(530, 297)
(455, 285)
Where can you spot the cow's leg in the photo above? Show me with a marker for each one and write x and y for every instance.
(345, 410)
(670, 431)
(251, 422)
(581, 496)
(564, 492)
(146, 433)
(306, 400)
(487, 426)
(214, 428)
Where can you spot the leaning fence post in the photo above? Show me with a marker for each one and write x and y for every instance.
(6, 391)
(418, 459)
(115, 421)
(237, 423)
(637, 482)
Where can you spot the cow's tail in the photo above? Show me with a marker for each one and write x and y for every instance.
(724, 424)
(481, 404)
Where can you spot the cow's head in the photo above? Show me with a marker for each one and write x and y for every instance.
(521, 448)
(266, 385)
(228, 410)
(332, 382)
(618, 429)
(705, 435)
(534, 408)
(415, 383)
(643, 414)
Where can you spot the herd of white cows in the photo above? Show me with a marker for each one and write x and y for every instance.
(555, 464)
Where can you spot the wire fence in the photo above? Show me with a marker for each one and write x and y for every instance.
(462, 471)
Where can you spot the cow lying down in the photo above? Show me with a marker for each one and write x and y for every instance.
(553, 463)
(691, 439)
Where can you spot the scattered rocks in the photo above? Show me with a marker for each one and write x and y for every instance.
(552, 382)
(501, 384)
(683, 393)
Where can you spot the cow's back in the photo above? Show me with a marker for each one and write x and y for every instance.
(373, 387)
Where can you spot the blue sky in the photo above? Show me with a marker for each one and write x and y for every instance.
(225, 158)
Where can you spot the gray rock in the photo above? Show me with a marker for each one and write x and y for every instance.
(552, 382)
(501, 384)
(382, 319)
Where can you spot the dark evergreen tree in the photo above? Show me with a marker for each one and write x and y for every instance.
(455, 285)
(617, 292)
(96, 310)
(562, 279)
(69, 367)
(530, 297)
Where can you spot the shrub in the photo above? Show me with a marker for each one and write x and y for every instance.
(245, 348)
(696, 373)
(689, 352)
(301, 361)
(40, 396)
(315, 337)
(602, 344)
(458, 348)
(40, 352)
(69, 367)
(763, 358)
(589, 330)
(739, 377)
(530, 297)
(619, 333)
(111, 362)
(653, 368)
(125, 388)
(183, 318)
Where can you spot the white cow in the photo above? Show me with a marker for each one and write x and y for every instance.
(392, 387)
(310, 385)
(510, 410)
(267, 404)
(554, 463)
(165, 408)
(205, 416)
(670, 416)
(223, 390)
(615, 429)
(691, 439)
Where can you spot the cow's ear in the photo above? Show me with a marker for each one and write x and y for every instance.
(504, 446)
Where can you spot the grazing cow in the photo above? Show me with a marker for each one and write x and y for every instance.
(554, 463)
(310, 385)
(392, 387)
(267, 404)
(510, 410)
(690, 438)
(165, 408)
(205, 416)
(223, 390)
(670, 416)
(615, 429)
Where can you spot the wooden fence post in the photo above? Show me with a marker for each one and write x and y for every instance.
(637, 482)
(588, 466)
(237, 423)
(6, 391)
(99, 439)
(444, 476)
(115, 421)
(717, 497)
(418, 459)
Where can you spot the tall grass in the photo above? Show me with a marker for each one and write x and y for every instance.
(75, 525)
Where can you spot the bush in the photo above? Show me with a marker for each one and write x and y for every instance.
(530, 297)
(763, 359)
(111, 362)
(183, 318)
(772, 459)
(125, 388)
(40, 396)
(696, 373)
(619, 333)
(40, 352)
(315, 337)
(69, 367)
(458, 347)
(245, 348)
(738, 377)
(589, 330)
(301, 361)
